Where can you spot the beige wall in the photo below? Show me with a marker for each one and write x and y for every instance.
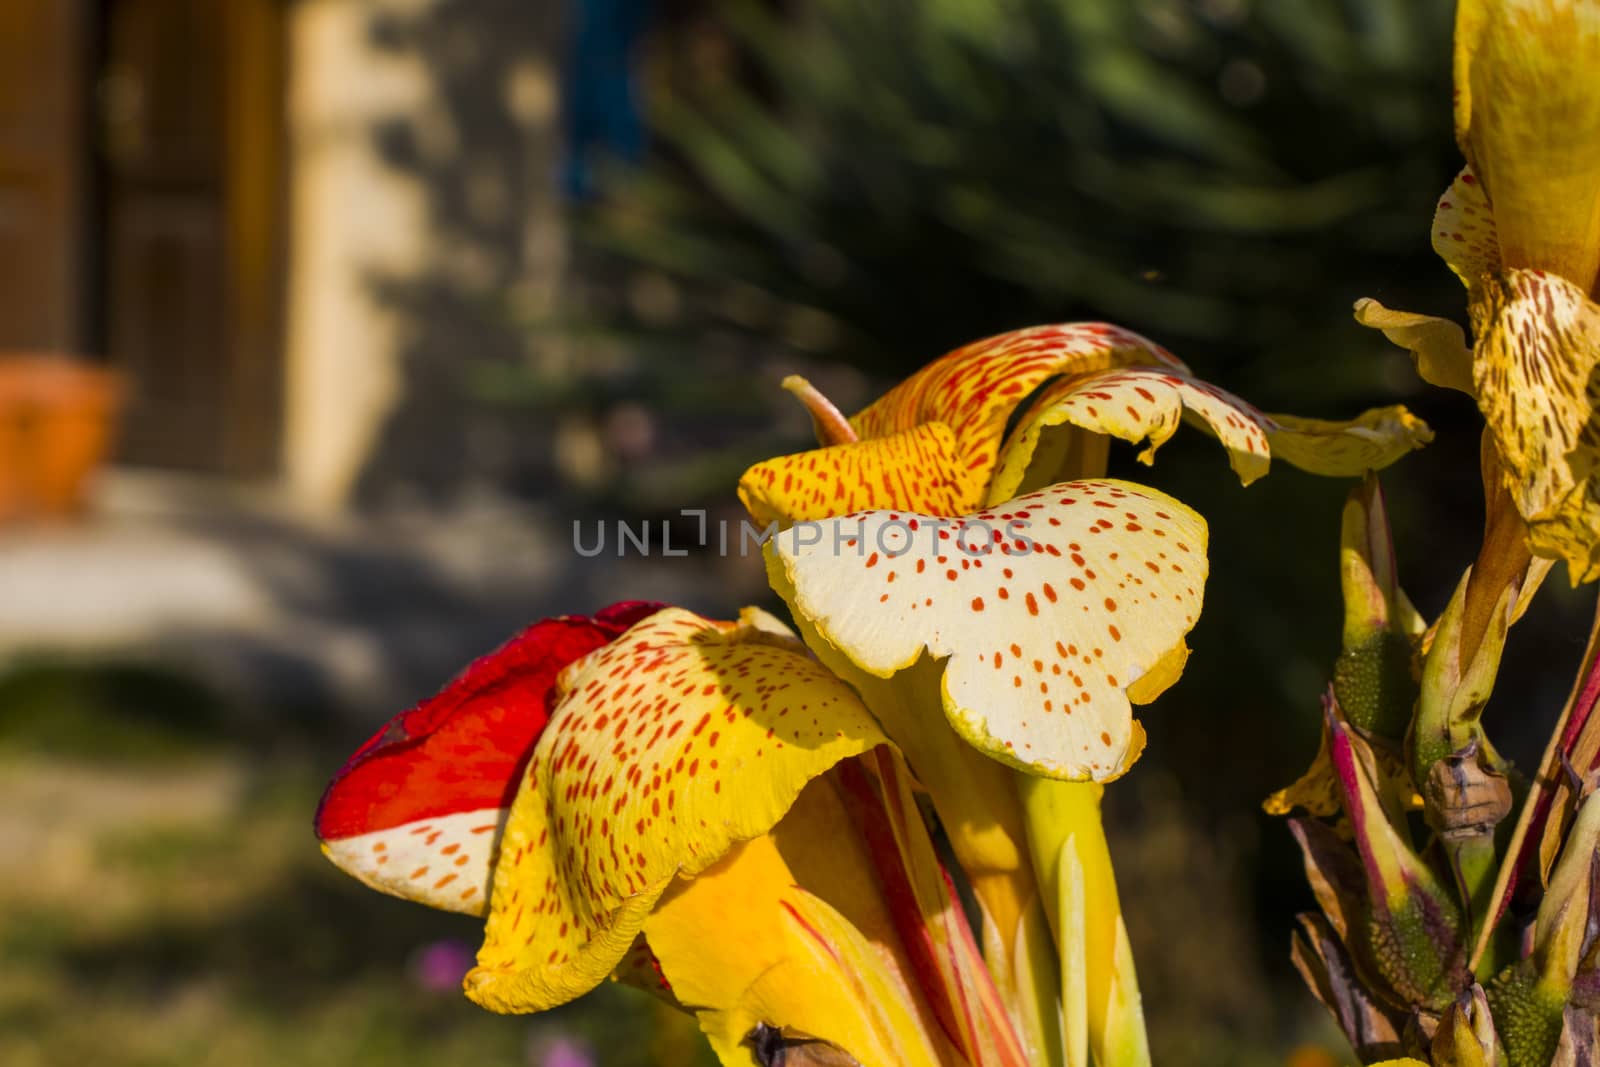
(355, 217)
(347, 213)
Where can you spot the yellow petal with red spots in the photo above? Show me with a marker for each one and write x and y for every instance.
(1463, 230)
(1527, 76)
(1147, 405)
(1051, 611)
(1539, 344)
(975, 388)
(745, 945)
(920, 469)
(1134, 405)
(1438, 346)
(667, 747)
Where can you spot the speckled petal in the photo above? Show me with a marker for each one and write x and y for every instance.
(1527, 75)
(1134, 405)
(1438, 346)
(667, 748)
(919, 469)
(1054, 610)
(417, 811)
(1139, 405)
(1537, 387)
(1463, 231)
(975, 388)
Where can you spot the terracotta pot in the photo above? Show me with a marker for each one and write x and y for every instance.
(56, 419)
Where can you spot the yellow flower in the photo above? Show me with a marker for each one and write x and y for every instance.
(986, 568)
(1107, 569)
(1521, 227)
(691, 806)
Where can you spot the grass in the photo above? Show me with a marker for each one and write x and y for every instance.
(162, 902)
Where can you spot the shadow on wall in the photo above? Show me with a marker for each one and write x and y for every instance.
(483, 149)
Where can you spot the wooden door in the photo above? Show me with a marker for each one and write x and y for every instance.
(43, 47)
(190, 102)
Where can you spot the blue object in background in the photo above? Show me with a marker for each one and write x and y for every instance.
(604, 118)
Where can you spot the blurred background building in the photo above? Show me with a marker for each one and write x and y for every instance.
(321, 322)
(211, 197)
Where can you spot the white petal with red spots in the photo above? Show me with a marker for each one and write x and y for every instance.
(1048, 608)
(1463, 230)
(444, 861)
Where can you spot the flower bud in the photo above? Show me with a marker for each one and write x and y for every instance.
(1373, 676)
(1466, 1035)
(1412, 935)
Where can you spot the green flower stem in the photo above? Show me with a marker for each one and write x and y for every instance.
(1101, 1009)
(1475, 863)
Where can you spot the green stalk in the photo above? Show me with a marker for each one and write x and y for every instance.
(1102, 1014)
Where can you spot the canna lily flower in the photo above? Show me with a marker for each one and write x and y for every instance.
(1035, 646)
(1520, 226)
(1049, 614)
(690, 806)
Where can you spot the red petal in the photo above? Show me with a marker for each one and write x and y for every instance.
(464, 749)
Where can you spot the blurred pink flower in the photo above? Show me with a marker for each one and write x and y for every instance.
(561, 1051)
(439, 966)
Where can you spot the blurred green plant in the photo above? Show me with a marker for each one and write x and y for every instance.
(891, 178)
(117, 711)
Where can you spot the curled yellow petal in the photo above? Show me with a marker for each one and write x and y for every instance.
(1439, 346)
(1046, 610)
(975, 388)
(1139, 404)
(1135, 404)
(1537, 387)
(1527, 76)
(667, 748)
